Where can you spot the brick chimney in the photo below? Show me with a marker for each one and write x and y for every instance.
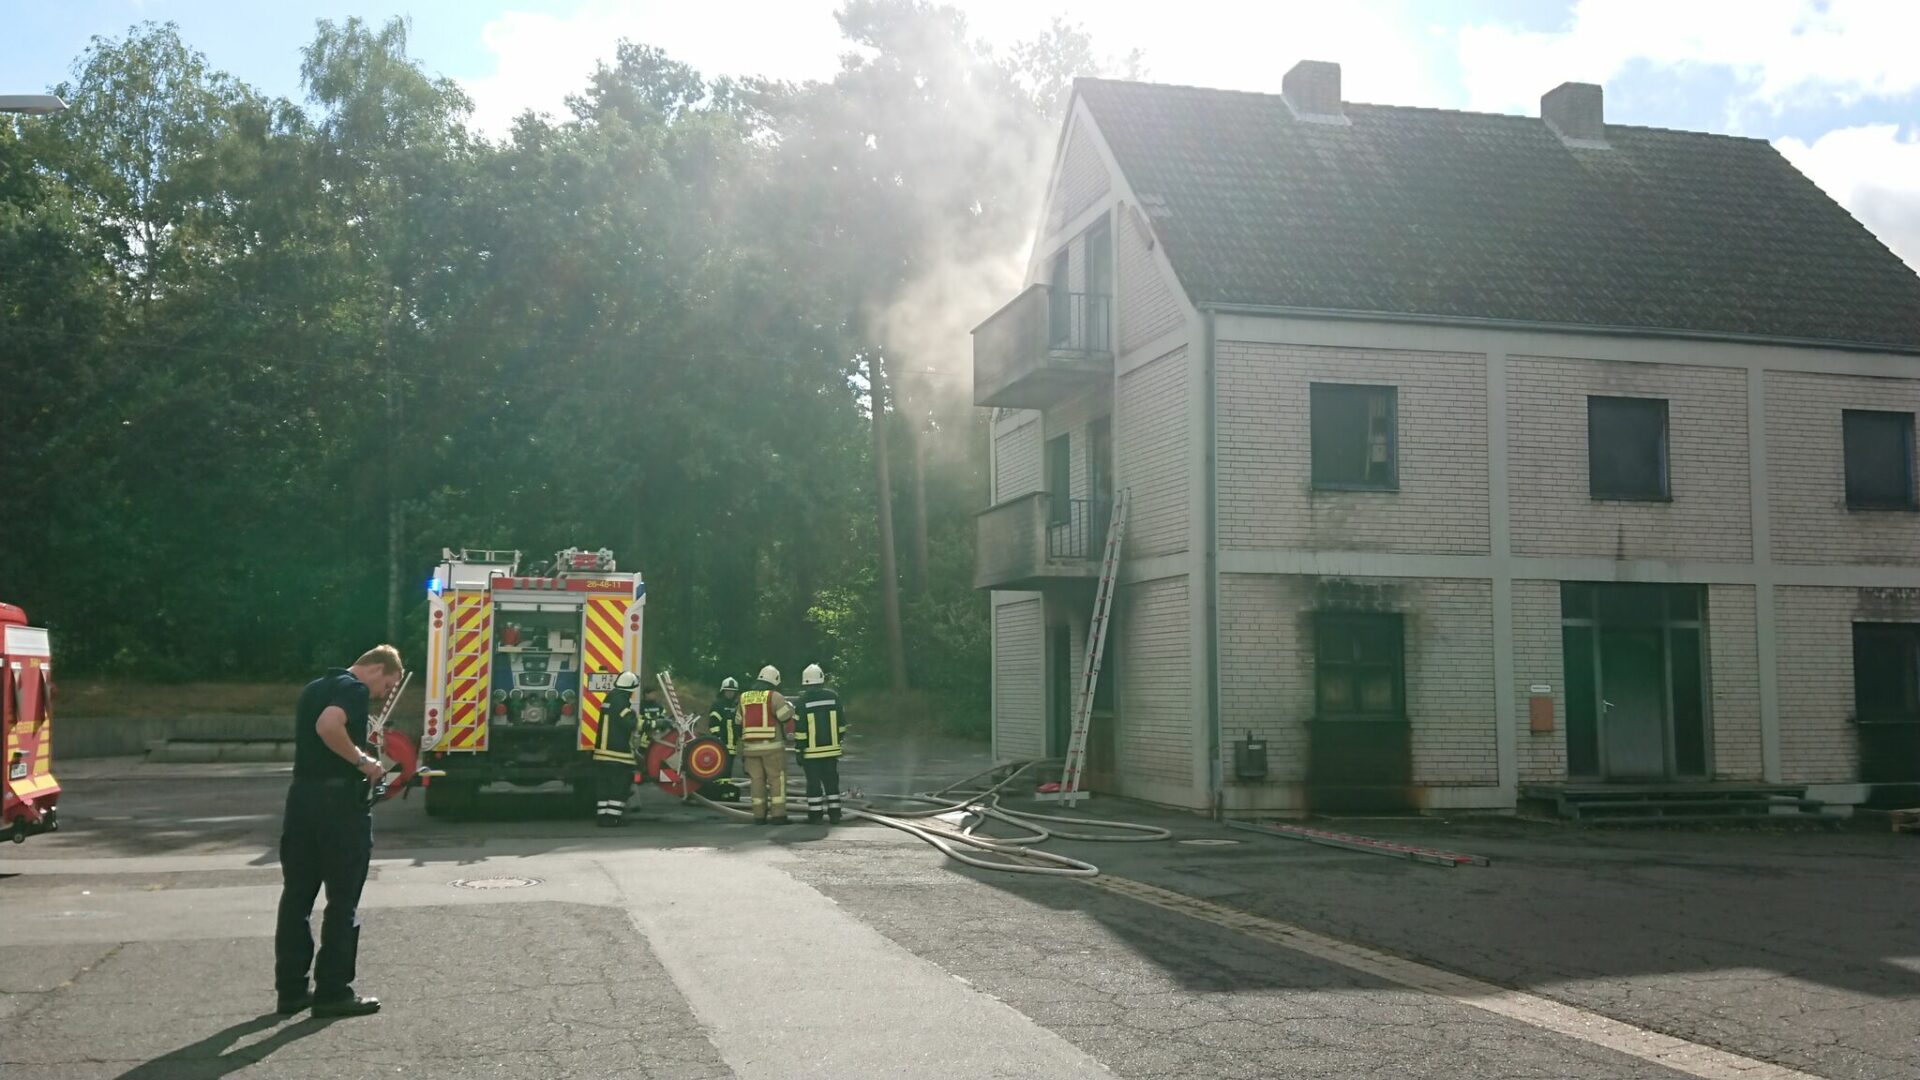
(1312, 91)
(1574, 111)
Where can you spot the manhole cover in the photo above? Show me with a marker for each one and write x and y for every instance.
(1209, 841)
(497, 883)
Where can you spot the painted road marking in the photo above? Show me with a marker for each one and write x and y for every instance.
(1691, 1058)
(784, 933)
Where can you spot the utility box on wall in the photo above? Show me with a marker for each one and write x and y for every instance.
(1540, 709)
(1250, 758)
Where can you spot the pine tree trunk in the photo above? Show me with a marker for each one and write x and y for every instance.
(889, 574)
(919, 438)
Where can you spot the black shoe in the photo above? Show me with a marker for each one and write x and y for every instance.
(833, 816)
(815, 819)
(351, 1006)
(287, 1006)
(607, 821)
(760, 821)
(781, 820)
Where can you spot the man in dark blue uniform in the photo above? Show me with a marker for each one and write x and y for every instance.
(326, 839)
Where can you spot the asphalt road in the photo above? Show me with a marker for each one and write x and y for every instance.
(136, 943)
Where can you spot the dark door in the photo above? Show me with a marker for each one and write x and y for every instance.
(1059, 304)
(1059, 479)
(1060, 688)
(1099, 287)
(1633, 703)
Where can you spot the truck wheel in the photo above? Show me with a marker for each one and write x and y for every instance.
(449, 798)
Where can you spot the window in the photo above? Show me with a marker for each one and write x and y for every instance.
(1357, 666)
(1879, 448)
(1353, 437)
(1886, 672)
(1059, 480)
(1627, 448)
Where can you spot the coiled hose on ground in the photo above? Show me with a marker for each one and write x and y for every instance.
(930, 821)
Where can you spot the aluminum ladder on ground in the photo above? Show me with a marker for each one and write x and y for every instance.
(1070, 774)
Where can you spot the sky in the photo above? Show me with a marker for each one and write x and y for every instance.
(1832, 83)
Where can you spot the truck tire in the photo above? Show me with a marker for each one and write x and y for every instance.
(450, 798)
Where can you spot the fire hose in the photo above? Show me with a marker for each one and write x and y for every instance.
(974, 807)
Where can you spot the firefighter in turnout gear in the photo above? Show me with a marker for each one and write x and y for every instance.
(620, 739)
(720, 725)
(764, 720)
(817, 733)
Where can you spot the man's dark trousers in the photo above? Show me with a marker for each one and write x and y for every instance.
(326, 841)
(823, 787)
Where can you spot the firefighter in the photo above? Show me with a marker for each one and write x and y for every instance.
(765, 719)
(720, 725)
(818, 730)
(621, 736)
(654, 720)
(326, 838)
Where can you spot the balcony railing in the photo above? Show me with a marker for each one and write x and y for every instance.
(1024, 544)
(1041, 347)
(1077, 528)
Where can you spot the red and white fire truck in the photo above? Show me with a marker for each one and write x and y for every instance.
(28, 791)
(518, 664)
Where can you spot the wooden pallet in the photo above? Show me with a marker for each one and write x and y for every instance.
(1905, 820)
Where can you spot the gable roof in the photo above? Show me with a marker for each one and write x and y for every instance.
(1456, 215)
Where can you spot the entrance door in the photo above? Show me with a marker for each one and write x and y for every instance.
(1635, 681)
(1059, 688)
(1633, 703)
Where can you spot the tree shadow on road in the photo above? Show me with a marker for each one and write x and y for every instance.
(217, 1055)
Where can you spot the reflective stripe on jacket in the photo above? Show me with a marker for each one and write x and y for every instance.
(756, 716)
(819, 729)
(619, 735)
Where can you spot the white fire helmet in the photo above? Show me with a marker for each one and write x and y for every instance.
(813, 676)
(627, 681)
(770, 675)
(729, 683)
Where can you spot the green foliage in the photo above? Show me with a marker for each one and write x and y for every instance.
(241, 337)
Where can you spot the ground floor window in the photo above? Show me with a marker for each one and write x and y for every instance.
(1359, 666)
(1886, 672)
(1886, 700)
(1635, 680)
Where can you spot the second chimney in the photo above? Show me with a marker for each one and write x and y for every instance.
(1574, 111)
(1312, 89)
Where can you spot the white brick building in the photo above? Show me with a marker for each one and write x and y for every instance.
(1467, 455)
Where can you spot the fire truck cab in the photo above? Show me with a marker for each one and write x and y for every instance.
(518, 664)
(28, 791)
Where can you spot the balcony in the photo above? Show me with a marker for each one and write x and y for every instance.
(1042, 347)
(1028, 542)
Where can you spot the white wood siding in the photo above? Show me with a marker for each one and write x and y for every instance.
(1154, 462)
(1019, 683)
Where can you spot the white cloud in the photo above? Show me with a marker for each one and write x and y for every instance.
(1873, 171)
(1782, 52)
(540, 58)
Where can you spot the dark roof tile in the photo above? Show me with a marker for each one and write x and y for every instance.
(1427, 212)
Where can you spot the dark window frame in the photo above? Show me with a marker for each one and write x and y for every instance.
(1610, 491)
(1321, 467)
(1896, 637)
(1332, 629)
(1857, 500)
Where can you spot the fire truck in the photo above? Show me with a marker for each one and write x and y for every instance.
(518, 664)
(28, 791)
